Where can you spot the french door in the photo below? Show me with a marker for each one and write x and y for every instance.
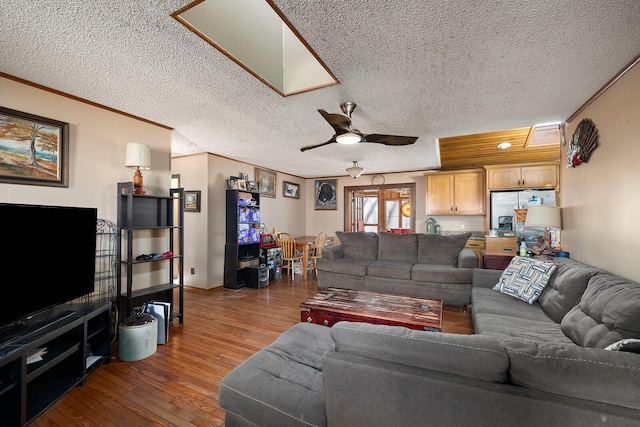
(380, 207)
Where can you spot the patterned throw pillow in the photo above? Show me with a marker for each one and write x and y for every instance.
(525, 278)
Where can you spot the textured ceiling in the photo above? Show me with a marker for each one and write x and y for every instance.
(427, 68)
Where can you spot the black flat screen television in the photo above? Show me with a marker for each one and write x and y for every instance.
(47, 256)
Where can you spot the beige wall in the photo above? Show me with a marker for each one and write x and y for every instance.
(330, 221)
(205, 231)
(601, 199)
(97, 144)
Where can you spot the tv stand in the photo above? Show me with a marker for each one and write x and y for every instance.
(77, 339)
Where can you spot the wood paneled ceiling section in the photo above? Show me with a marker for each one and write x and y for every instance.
(478, 150)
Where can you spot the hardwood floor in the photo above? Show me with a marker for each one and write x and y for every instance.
(178, 385)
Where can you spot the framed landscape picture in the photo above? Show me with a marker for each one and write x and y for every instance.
(289, 189)
(266, 180)
(34, 150)
(325, 194)
(192, 201)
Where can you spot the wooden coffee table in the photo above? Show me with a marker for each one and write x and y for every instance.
(335, 305)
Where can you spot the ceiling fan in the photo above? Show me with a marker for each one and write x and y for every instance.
(345, 134)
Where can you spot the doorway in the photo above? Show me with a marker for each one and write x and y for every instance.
(375, 208)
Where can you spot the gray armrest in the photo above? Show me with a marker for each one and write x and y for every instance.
(332, 252)
(467, 259)
(485, 278)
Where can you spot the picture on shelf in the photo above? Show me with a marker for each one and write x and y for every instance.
(244, 176)
(242, 185)
(252, 186)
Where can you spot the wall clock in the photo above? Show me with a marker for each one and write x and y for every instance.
(377, 180)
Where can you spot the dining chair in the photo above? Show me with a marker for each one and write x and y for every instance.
(316, 250)
(289, 256)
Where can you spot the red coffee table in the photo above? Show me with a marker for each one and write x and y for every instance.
(336, 304)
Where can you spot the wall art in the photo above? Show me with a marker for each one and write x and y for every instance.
(326, 194)
(34, 150)
(192, 201)
(290, 189)
(266, 180)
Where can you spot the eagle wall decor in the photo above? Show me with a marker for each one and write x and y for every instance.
(583, 142)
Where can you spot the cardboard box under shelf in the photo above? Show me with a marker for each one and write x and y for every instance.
(248, 263)
(501, 246)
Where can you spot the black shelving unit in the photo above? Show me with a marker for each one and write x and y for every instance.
(242, 247)
(76, 344)
(163, 216)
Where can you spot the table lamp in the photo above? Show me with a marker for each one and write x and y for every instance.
(139, 157)
(546, 217)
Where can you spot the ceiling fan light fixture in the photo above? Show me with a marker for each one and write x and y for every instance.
(504, 145)
(348, 138)
(355, 171)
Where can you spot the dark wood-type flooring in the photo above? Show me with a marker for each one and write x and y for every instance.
(178, 385)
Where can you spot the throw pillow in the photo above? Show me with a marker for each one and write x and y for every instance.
(630, 344)
(525, 278)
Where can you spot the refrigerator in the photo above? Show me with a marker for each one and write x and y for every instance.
(504, 203)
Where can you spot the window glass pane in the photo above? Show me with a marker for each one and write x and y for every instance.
(371, 210)
(392, 208)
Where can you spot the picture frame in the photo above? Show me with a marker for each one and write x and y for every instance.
(266, 180)
(34, 150)
(326, 194)
(290, 189)
(244, 176)
(252, 186)
(232, 184)
(192, 201)
(242, 185)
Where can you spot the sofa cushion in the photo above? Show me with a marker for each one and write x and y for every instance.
(484, 300)
(608, 311)
(350, 266)
(441, 249)
(398, 247)
(390, 269)
(282, 383)
(440, 274)
(565, 287)
(449, 353)
(505, 327)
(361, 245)
(525, 278)
(570, 370)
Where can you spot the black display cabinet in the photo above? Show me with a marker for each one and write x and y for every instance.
(242, 247)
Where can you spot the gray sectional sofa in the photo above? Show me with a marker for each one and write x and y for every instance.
(527, 364)
(422, 265)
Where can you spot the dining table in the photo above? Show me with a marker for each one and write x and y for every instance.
(305, 243)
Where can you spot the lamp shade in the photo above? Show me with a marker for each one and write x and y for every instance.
(355, 170)
(543, 216)
(138, 156)
(348, 138)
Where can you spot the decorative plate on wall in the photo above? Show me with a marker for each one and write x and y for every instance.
(406, 209)
(583, 142)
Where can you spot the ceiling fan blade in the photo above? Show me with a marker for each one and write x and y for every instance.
(390, 139)
(309, 147)
(339, 122)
